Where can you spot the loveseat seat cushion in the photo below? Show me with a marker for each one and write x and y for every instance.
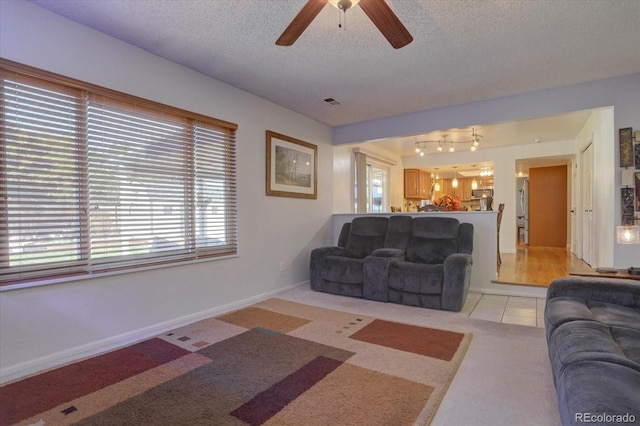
(366, 235)
(598, 388)
(561, 310)
(577, 341)
(342, 269)
(579, 329)
(416, 278)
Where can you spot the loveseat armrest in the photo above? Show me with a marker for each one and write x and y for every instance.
(317, 264)
(375, 285)
(389, 252)
(457, 278)
(328, 251)
(623, 292)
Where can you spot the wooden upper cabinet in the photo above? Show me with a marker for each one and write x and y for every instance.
(465, 188)
(411, 183)
(417, 184)
(425, 185)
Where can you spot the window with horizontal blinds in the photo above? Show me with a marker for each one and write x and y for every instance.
(95, 181)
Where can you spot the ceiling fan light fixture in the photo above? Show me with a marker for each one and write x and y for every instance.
(343, 4)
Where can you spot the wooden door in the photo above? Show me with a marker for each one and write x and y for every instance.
(548, 206)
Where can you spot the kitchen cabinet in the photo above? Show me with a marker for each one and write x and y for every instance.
(465, 188)
(417, 184)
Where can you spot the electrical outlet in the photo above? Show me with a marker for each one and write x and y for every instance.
(282, 266)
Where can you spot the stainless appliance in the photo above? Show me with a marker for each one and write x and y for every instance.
(523, 210)
(482, 193)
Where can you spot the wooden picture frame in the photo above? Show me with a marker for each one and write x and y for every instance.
(626, 147)
(292, 167)
(627, 198)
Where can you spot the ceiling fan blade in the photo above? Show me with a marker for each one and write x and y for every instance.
(300, 23)
(387, 22)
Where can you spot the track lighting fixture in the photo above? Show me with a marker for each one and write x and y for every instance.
(474, 143)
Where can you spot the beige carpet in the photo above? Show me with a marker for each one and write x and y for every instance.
(277, 362)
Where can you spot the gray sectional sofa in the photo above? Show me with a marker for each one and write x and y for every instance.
(593, 336)
(422, 261)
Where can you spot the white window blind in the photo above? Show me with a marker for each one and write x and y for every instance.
(95, 181)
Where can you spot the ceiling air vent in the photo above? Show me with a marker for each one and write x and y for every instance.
(332, 101)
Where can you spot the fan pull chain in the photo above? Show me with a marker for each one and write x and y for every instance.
(342, 18)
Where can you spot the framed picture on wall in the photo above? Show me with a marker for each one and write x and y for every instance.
(626, 147)
(637, 153)
(292, 167)
(627, 198)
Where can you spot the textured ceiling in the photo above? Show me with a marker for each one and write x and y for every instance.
(463, 50)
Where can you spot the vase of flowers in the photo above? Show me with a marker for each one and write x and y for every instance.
(449, 202)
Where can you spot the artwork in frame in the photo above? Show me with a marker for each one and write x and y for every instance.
(627, 198)
(626, 147)
(637, 152)
(292, 167)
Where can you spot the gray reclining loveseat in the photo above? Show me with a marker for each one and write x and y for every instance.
(593, 337)
(423, 261)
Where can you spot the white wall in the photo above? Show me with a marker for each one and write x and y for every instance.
(45, 325)
(621, 93)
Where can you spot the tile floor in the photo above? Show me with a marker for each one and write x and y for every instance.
(506, 309)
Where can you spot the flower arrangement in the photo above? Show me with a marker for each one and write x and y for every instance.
(449, 202)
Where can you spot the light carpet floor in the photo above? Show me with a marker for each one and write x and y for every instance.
(504, 379)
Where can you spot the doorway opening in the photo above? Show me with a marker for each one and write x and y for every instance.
(544, 221)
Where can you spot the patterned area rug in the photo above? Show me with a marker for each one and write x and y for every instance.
(273, 363)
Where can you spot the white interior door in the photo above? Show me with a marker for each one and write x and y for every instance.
(573, 217)
(587, 204)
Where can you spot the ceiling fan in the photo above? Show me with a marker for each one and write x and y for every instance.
(377, 10)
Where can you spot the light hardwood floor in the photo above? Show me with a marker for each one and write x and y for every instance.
(537, 266)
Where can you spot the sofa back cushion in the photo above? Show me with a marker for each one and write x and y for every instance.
(398, 232)
(432, 239)
(366, 235)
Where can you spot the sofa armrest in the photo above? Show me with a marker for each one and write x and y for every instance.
(607, 290)
(457, 278)
(328, 251)
(316, 263)
(375, 283)
(389, 252)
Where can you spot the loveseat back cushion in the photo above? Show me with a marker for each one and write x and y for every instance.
(366, 235)
(432, 239)
(398, 232)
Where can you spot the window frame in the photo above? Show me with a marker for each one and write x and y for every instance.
(228, 161)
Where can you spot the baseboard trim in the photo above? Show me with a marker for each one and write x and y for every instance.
(77, 353)
(512, 290)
